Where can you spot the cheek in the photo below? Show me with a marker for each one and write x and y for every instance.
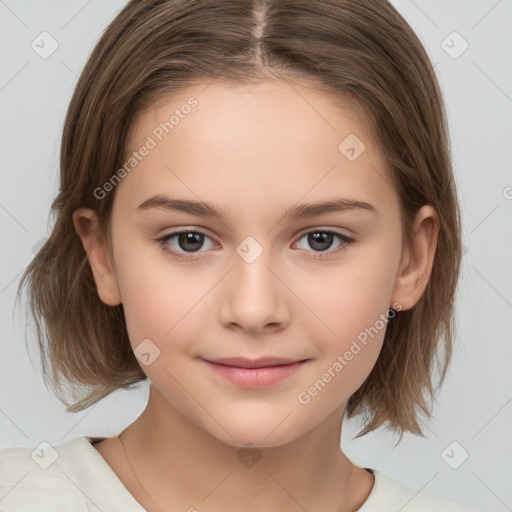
(159, 300)
(348, 299)
(350, 306)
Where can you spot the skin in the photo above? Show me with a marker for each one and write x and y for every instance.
(254, 150)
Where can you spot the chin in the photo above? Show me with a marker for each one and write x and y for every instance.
(258, 432)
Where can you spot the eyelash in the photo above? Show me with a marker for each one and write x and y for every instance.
(318, 255)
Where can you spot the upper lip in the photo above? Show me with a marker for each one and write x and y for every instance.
(262, 362)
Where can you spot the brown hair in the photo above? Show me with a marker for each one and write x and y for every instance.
(362, 51)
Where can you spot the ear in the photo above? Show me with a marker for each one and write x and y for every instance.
(417, 259)
(87, 226)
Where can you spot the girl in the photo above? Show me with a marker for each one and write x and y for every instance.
(257, 213)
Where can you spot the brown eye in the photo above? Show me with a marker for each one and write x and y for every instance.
(190, 242)
(321, 241)
(179, 243)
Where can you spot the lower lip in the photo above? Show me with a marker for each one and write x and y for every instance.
(255, 377)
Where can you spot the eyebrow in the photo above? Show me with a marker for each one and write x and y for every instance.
(300, 211)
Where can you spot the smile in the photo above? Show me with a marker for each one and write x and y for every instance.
(257, 373)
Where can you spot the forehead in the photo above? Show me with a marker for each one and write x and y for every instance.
(292, 108)
(261, 142)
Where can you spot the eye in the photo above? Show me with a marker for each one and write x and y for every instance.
(320, 241)
(187, 240)
(179, 243)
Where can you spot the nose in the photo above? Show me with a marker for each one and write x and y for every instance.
(254, 297)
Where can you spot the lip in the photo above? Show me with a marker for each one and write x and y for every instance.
(255, 373)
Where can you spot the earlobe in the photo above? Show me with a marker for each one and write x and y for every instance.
(418, 258)
(87, 225)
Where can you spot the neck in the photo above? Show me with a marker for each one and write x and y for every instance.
(177, 463)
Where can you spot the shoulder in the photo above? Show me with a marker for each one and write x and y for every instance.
(61, 478)
(390, 496)
(40, 478)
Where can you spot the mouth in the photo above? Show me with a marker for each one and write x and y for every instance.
(255, 373)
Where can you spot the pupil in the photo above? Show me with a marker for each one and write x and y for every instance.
(318, 240)
(190, 238)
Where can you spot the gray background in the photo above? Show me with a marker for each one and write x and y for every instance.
(474, 406)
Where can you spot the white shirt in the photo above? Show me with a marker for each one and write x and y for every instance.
(74, 477)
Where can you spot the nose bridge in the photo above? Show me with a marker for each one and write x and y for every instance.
(251, 272)
(254, 296)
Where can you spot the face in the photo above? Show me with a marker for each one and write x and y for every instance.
(255, 325)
